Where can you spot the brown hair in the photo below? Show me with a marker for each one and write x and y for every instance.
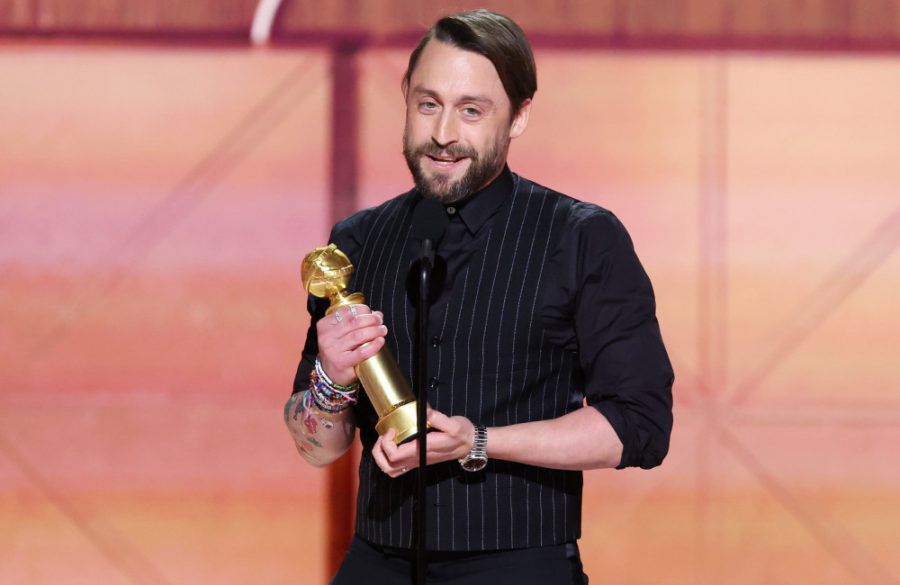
(494, 36)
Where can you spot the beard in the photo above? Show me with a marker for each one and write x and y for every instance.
(482, 168)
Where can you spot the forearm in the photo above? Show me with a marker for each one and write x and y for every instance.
(582, 439)
(320, 437)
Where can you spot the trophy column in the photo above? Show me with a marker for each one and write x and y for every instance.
(325, 273)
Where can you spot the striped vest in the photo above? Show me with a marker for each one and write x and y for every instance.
(490, 361)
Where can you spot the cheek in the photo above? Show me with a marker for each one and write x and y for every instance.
(419, 123)
(482, 138)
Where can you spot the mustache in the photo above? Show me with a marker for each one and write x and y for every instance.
(450, 151)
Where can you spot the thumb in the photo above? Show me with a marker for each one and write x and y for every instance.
(439, 420)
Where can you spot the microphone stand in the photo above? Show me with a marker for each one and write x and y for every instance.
(425, 266)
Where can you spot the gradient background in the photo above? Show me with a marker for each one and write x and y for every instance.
(155, 201)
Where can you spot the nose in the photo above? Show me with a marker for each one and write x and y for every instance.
(446, 131)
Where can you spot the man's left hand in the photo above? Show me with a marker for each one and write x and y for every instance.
(450, 438)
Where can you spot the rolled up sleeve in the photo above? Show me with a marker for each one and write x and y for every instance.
(627, 373)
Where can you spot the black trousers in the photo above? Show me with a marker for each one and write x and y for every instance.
(368, 564)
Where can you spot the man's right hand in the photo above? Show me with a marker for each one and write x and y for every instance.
(347, 337)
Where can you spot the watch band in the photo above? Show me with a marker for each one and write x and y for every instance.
(476, 458)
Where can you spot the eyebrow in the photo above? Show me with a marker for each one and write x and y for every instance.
(466, 98)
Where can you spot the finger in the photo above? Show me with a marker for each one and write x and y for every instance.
(389, 447)
(380, 460)
(350, 335)
(339, 317)
(365, 351)
(342, 360)
(355, 311)
(441, 421)
(328, 327)
(403, 457)
(337, 341)
(409, 452)
(355, 337)
(391, 468)
(342, 318)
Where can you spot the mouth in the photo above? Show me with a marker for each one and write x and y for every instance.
(445, 163)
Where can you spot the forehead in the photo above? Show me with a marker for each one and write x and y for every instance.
(451, 71)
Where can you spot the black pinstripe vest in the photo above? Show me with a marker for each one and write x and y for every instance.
(490, 362)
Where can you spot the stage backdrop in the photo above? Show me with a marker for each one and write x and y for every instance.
(155, 204)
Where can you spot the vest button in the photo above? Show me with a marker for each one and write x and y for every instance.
(435, 341)
(433, 383)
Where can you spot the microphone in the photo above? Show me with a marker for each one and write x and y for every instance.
(429, 222)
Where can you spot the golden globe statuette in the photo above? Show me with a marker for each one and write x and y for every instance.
(325, 273)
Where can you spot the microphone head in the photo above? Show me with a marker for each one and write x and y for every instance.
(429, 220)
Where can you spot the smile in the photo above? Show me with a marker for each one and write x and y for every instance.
(445, 164)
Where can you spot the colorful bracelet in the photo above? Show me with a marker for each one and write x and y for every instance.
(326, 405)
(320, 371)
(328, 396)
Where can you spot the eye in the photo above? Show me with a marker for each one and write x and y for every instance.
(471, 112)
(428, 106)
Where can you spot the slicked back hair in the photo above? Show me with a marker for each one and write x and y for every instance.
(494, 36)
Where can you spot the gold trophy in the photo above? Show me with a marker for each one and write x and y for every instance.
(325, 274)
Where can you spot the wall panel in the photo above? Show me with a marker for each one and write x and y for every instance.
(154, 207)
(842, 24)
(760, 193)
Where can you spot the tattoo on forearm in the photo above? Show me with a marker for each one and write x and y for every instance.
(294, 404)
(304, 420)
(296, 410)
(298, 407)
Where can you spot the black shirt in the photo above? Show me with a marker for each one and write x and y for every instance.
(586, 330)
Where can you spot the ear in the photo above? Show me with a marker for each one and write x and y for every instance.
(520, 121)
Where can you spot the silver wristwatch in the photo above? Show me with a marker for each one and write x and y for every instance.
(476, 458)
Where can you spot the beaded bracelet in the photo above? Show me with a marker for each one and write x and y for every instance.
(327, 405)
(327, 390)
(328, 396)
(320, 371)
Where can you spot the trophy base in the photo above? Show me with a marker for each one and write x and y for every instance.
(402, 419)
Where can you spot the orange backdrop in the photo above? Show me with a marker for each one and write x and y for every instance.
(155, 203)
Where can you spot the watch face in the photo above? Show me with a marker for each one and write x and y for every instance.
(474, 464)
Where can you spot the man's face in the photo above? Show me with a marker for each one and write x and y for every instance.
(458, 123)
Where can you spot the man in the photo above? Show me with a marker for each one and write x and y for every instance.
(543, 306)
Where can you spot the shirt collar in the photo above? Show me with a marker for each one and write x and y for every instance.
(481, 205)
